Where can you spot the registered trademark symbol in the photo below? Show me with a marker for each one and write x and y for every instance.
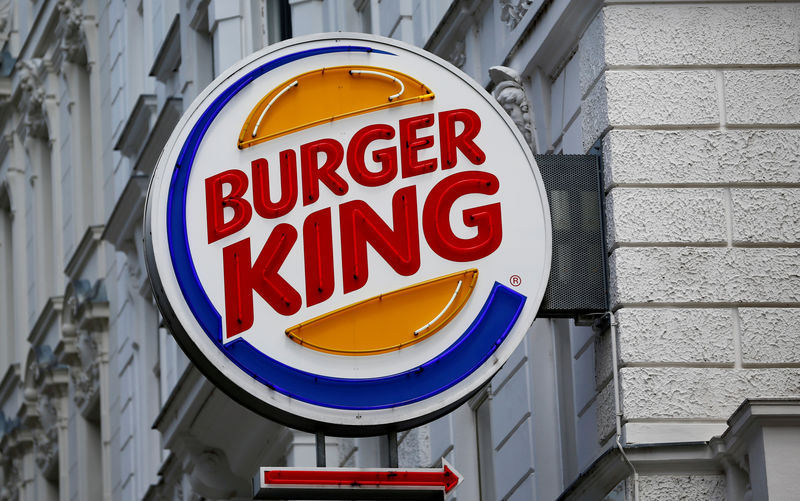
(515, 280)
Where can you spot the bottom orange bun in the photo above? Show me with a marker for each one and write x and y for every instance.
(390, 321)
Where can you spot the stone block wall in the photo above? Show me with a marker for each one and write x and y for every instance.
(698, 108)
(669, 487)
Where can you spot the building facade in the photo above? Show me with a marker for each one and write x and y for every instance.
(688, 389)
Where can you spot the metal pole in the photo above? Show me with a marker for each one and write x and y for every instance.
(320, 449)
(617, 404)
(392, 446)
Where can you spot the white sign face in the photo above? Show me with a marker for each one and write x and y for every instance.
(347, 234)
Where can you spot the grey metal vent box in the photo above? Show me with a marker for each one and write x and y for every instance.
(577, 283)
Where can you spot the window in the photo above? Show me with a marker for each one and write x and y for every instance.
(90, 438)
(7, 309)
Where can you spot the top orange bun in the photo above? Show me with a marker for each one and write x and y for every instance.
(328, 94)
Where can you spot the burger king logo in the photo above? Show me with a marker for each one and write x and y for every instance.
(347, 234)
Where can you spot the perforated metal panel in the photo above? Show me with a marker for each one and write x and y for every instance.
(577, 283)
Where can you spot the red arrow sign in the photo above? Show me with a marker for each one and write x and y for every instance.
(444, 478)
(345, 483)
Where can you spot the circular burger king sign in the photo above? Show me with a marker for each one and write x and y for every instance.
(347, 234)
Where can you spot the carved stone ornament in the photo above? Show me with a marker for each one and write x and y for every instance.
(42, 363)
(512, 11)
(190, 495)
(744, 465)
(86, 376)
(46, 438)
(69, 29)
(31, 105)
(12, 476)
(134, 254)
(5, 19)
(37, 371)
(46, 442)
(209, 472)
(134, 263)
(458, 55)
(511, 95)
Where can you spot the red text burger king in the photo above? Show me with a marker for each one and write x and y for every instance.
(326, 164)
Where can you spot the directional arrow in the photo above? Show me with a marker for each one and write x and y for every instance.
(356, 483)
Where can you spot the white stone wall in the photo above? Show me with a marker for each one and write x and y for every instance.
(671, 487)
(697, 106)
